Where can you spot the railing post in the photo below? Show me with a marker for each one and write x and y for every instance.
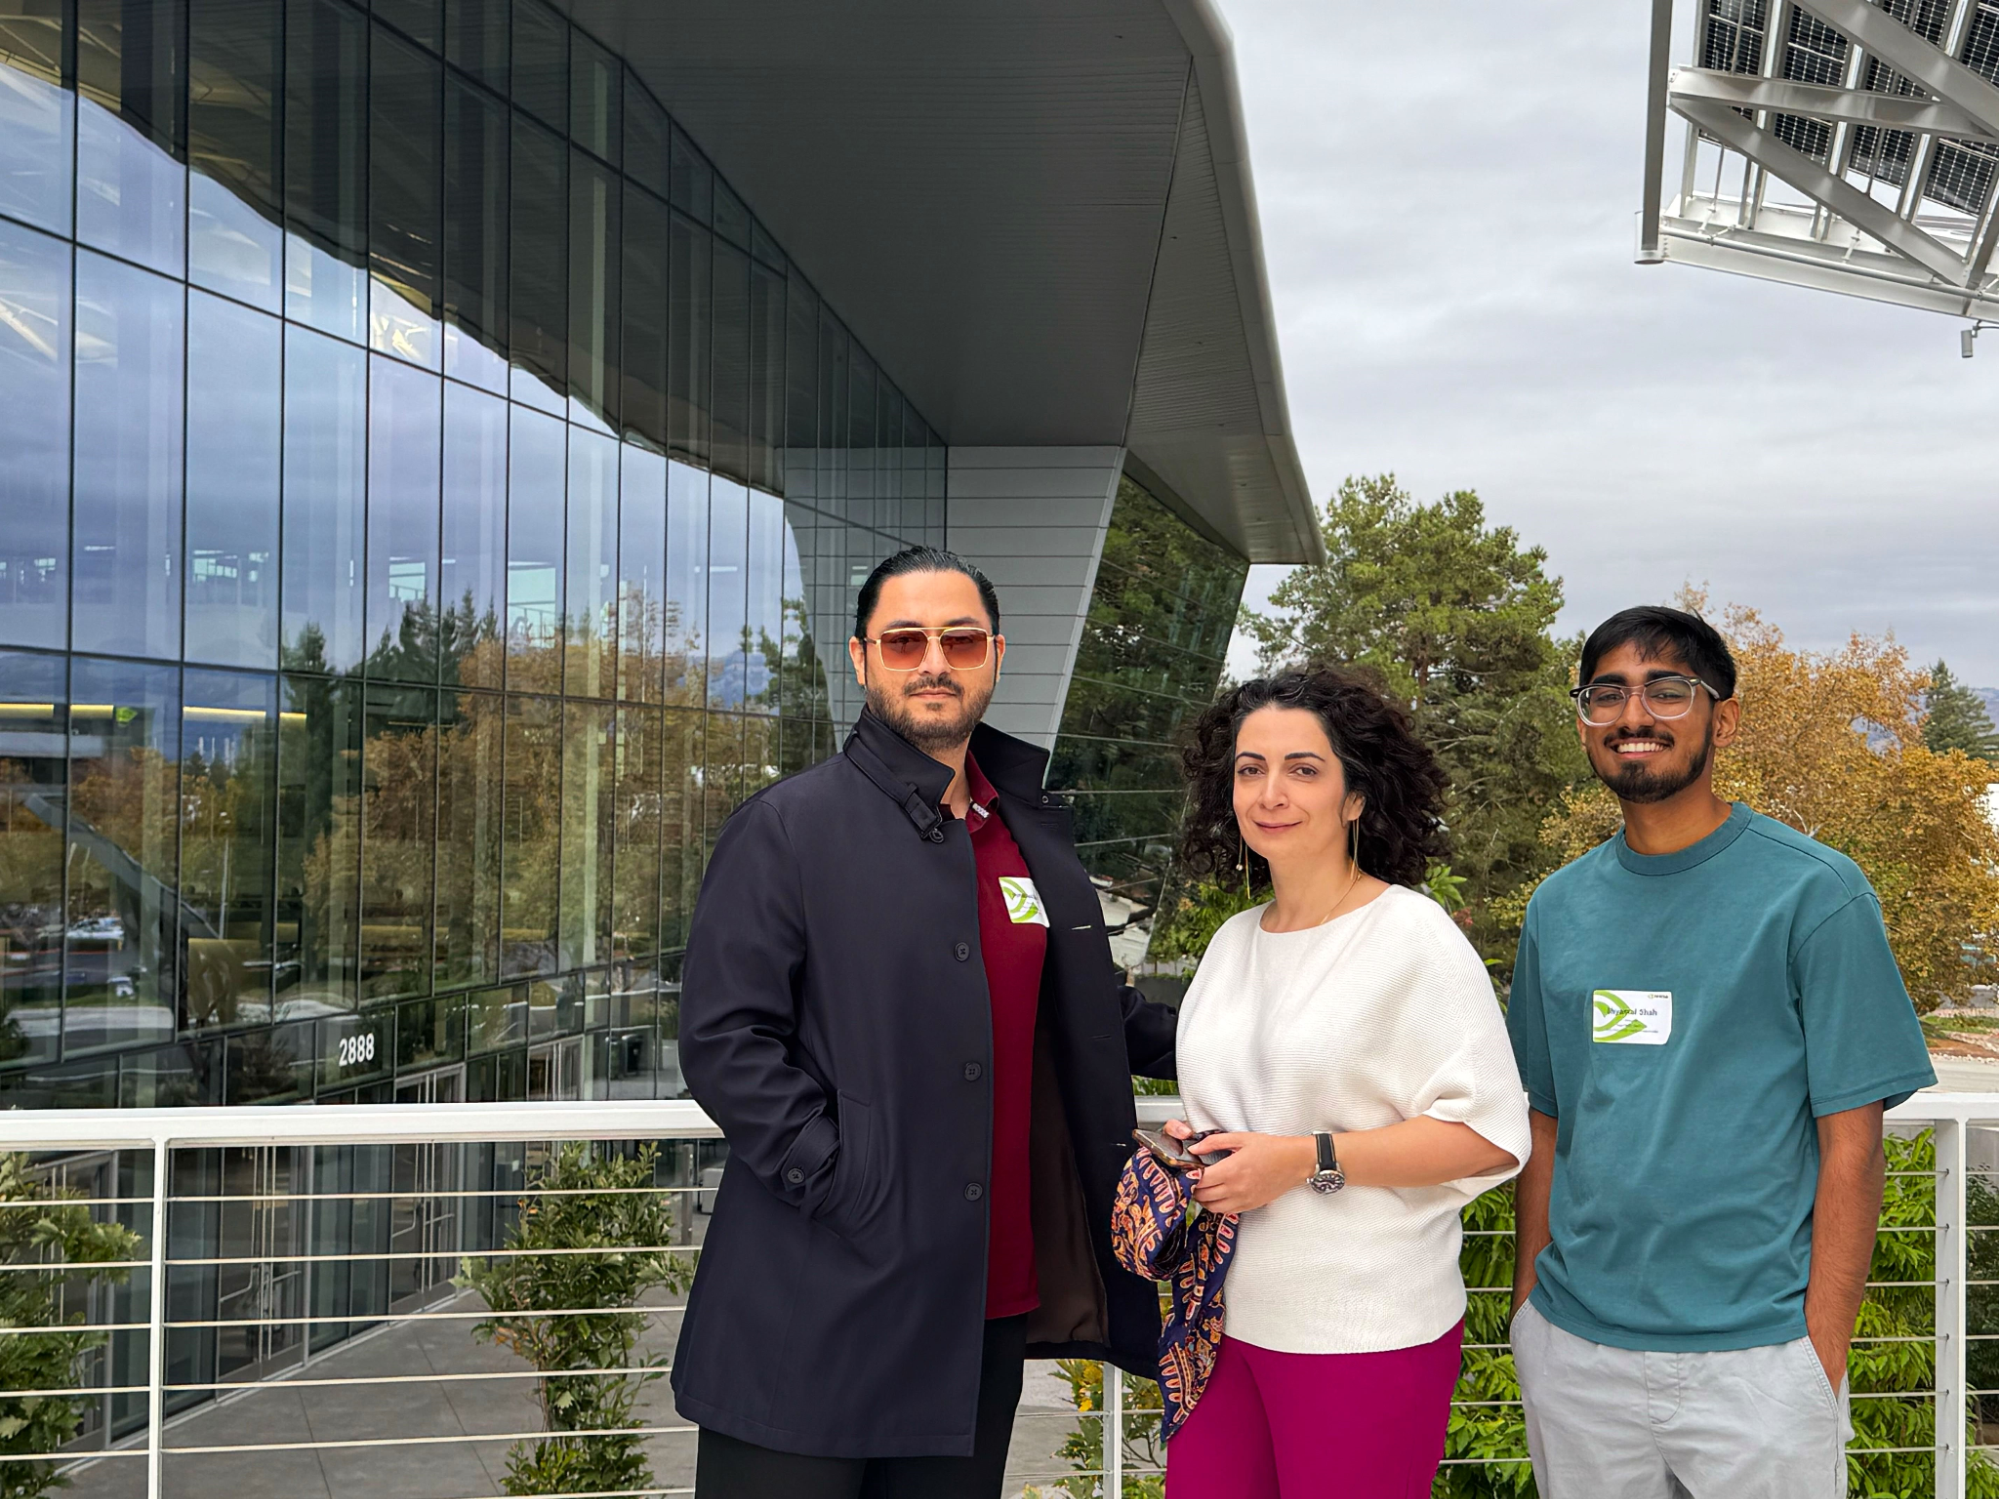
(1113, 1420)
(1951, 1213)
(156, 1337)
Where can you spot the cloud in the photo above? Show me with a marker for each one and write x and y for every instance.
(1448, 194)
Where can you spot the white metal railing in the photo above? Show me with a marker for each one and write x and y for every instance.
(157, 1134)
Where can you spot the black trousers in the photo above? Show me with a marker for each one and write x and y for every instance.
(730, 1467)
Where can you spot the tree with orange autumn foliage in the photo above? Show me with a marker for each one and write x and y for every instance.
(1832, 744)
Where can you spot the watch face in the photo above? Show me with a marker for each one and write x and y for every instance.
(1328, 1182)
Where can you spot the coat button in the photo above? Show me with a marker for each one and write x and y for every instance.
(973, 1072)
(937, 837)
(794, 1176)
(963, 950)
(974, 1192)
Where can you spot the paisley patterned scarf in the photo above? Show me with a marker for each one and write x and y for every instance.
(1154, 1235)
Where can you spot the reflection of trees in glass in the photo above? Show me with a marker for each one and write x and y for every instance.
(1151, 656)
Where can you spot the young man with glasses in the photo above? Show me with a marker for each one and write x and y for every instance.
(899, 1004)
(1709, 1024)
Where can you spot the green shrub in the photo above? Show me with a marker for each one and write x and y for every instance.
(38, 1227)
(614, 1214)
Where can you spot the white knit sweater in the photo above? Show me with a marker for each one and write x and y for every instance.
(1377, 1016)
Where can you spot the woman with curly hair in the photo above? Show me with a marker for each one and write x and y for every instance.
(1342, 1043)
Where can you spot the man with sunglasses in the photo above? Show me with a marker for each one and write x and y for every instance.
(1709, 1024)
(899, 1003)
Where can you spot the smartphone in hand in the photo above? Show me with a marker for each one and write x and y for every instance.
(1172, 1154)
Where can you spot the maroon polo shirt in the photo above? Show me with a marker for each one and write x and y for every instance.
(1013, 934)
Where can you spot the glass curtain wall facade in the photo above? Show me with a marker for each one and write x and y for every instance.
(428, 487)
(1153, 650)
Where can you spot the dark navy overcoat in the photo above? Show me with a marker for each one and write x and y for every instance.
(834, 1021)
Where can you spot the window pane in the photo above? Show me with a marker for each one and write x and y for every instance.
(398, 840)
(690, 301)
(468, 838)
(405, 219)
(642, 357)
(228, 793)
(683, 753)
(541, 62)
(731, 361)
(326, 153)
(641, 591)
(765, 633)
(594, 79)
(539, 314)
(861, 458)
(131, 189)
(646, 136)
(593, 293)
(475, 39)
(403, 435)
(685, 623)
(475, 236)
(33, 793)
(326, 425)
(589, 813)
(693, 179)
(235, 423)
(591, 611)
(729, 641)
(472, 570)
(235, 65)
(537, 463)
(416, 19)
(732, 220)
(37, 116)
(128, 460)
(832, 488)
(935, 475)
(802, 691)
(801, 429)
(766, 395)
(532, 833)
(319, 845)
(120, 952)
(34, 434)
(637, 826)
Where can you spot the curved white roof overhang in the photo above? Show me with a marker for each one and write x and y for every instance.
(1037, 215)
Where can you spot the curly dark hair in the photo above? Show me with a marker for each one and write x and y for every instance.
(1401, 826)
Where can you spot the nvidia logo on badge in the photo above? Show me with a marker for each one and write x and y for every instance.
(1023, 901)
(1640, 1017)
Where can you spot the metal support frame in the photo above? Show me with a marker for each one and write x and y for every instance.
(1952, 1209)
(1841, 236)
(1113, 1429)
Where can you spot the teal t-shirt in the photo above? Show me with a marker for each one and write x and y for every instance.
(1686, 1018)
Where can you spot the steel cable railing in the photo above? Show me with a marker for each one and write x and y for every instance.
(351, 1304)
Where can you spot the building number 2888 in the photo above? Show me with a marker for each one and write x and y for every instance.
(357, 1049)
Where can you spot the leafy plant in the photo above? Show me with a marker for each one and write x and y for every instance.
(1144, 1454)
(37, 1228)
(581, 1201)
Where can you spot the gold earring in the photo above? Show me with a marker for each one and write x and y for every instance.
(1355, 866)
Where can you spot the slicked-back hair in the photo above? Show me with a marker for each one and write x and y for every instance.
(1394, 772)
(920, 560)
(1662, 632)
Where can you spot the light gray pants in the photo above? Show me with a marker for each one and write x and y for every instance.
(1730, 1422)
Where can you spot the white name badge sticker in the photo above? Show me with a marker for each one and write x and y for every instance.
(1640, 1018)
(1023, 901)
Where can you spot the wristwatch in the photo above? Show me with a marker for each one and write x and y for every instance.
(1328, 1178)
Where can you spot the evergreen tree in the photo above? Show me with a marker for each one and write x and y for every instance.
(1455, 617)
(1956, 718)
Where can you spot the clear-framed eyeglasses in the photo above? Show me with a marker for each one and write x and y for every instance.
(1670, 697)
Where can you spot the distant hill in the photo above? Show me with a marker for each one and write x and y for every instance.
(1991, 697)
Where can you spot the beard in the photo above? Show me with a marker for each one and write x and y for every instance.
(1636, 783)
(928, 732)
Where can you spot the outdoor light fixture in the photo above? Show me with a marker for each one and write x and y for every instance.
(1967, 338)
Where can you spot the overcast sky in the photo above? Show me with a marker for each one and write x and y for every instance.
(1448, 194)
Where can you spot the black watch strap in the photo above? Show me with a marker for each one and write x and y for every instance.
(1323, 1139)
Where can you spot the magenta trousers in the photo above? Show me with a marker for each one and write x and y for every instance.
(1317, 1424)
